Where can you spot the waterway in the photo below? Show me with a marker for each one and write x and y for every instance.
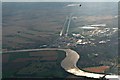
(69, 63)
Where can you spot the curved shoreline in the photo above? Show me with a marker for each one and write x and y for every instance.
(69, 63)
(70, 66)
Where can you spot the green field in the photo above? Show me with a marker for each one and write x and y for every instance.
(27, 64)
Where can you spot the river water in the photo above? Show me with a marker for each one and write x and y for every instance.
(69, 63)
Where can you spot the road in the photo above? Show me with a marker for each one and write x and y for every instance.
(69, 63)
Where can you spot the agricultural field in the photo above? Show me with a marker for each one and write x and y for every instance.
(33, 64)
(99, 69)
(26, 26)
(38, 25)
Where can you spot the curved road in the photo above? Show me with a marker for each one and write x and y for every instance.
(69, 63)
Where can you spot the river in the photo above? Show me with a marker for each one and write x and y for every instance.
(69, 63)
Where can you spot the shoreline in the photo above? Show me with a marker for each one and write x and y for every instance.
(69, 63)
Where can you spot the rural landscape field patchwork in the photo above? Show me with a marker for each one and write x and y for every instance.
(90, 29)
